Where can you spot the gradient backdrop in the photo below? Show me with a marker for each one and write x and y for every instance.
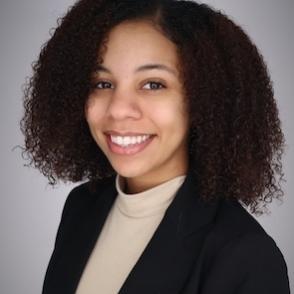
(30, 209)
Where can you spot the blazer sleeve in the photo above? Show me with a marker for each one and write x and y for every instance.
(251, 264)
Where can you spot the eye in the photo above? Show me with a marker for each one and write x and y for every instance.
(102, 85)
(153, 85)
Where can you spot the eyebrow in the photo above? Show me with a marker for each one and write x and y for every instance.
(141, 68)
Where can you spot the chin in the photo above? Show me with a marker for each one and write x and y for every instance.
(128, 172)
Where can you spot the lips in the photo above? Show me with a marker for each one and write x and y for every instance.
(129, 150)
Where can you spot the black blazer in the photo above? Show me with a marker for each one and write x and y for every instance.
(198, 248)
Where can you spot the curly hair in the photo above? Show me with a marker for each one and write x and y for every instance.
(235, 138)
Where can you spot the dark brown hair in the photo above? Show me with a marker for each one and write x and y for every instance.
(235, 140)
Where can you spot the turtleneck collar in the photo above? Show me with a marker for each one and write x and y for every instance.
(149, 202)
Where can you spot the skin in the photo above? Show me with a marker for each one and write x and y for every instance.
(127, 100)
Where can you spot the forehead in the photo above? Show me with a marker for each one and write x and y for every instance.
(138, 42)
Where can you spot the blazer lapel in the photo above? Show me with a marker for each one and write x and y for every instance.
(171, 254)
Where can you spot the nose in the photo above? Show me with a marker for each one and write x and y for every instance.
(124, 104)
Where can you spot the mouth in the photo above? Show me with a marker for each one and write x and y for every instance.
(128, 145)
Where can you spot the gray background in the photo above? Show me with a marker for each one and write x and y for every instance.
(30, 209)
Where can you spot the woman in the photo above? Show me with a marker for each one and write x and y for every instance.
(166, 109)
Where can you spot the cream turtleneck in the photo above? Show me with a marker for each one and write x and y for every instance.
(127, 230)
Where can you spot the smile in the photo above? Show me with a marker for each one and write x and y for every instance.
(128, 145)
(124, 141)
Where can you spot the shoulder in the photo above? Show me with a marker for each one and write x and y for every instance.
(233, 220)
(79, 203)
(244, 255)
(85, 195)
(238, 232)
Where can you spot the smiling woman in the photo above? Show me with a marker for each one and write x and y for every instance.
(165, 108)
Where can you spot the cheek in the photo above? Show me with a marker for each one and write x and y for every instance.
(171, 116)
(93, 112)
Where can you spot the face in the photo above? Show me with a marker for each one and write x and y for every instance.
(136, 111)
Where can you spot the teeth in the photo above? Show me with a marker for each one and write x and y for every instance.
(128, 140)
(133, 140)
